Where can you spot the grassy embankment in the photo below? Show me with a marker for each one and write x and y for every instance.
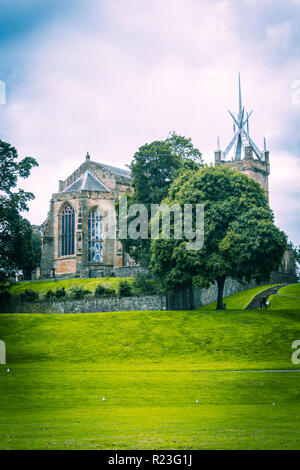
(287, 298)
(41, 287)
(240, 300)
(172, 380)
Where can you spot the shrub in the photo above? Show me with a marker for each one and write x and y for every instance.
(124, 289)
(49, 295)
(79, 292)
(102, 291)
(4, 295)
(29, 295)
(60, 293)
(144, 284)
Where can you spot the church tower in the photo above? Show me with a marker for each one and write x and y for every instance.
(242, 153)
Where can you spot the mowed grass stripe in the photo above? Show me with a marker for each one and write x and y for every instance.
(66, 411)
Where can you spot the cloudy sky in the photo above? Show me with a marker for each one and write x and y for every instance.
(106, 76)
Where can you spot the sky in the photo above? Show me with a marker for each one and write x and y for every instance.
(107, 76)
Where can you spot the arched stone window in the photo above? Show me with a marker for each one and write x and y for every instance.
(67, 230)
(95, 236)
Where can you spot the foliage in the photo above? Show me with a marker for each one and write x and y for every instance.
(24, 248)
(144, 284)
(4, 294)
(29, 295)
(297, 259)
(124, 289)
(153, 168)
(102, 291)
(43, 286)
(24, 251)
(79, 292)
(49, 295)
(12, 201)
(183, 147)
(240, 238)
(59, 293)
(36, 247)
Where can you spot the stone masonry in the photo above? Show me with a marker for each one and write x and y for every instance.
(92, 185)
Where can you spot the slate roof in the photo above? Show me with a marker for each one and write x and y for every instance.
(115, 170)
(87, 182)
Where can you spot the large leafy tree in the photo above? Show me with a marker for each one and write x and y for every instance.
(36, 248)
(14, 230)
(190, 156)
(153, 168)
(27, 247)
(240, 238)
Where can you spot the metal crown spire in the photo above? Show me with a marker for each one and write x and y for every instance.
(241, 136)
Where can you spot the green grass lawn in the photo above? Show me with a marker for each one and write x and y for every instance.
(287, 297)
(240, 300)
(41, 287)
(172, 380)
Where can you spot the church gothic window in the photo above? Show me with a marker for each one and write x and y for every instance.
(67, 230)
(95, 236)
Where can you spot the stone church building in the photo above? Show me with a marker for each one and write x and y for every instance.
(72, 241)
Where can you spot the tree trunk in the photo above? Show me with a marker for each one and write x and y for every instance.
(220, 283)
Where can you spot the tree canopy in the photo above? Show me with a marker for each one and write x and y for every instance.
(240, 238)
(153, 168)
(14, 230)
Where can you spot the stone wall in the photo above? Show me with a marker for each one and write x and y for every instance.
(181, 300)
(209, 295)
(278, 277)
(129, 271)
(178, 301)
(111, 304)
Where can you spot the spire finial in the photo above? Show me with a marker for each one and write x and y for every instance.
(218, 143)
(87, 157)
(241, 135)
(240, 96)
(265, 144)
